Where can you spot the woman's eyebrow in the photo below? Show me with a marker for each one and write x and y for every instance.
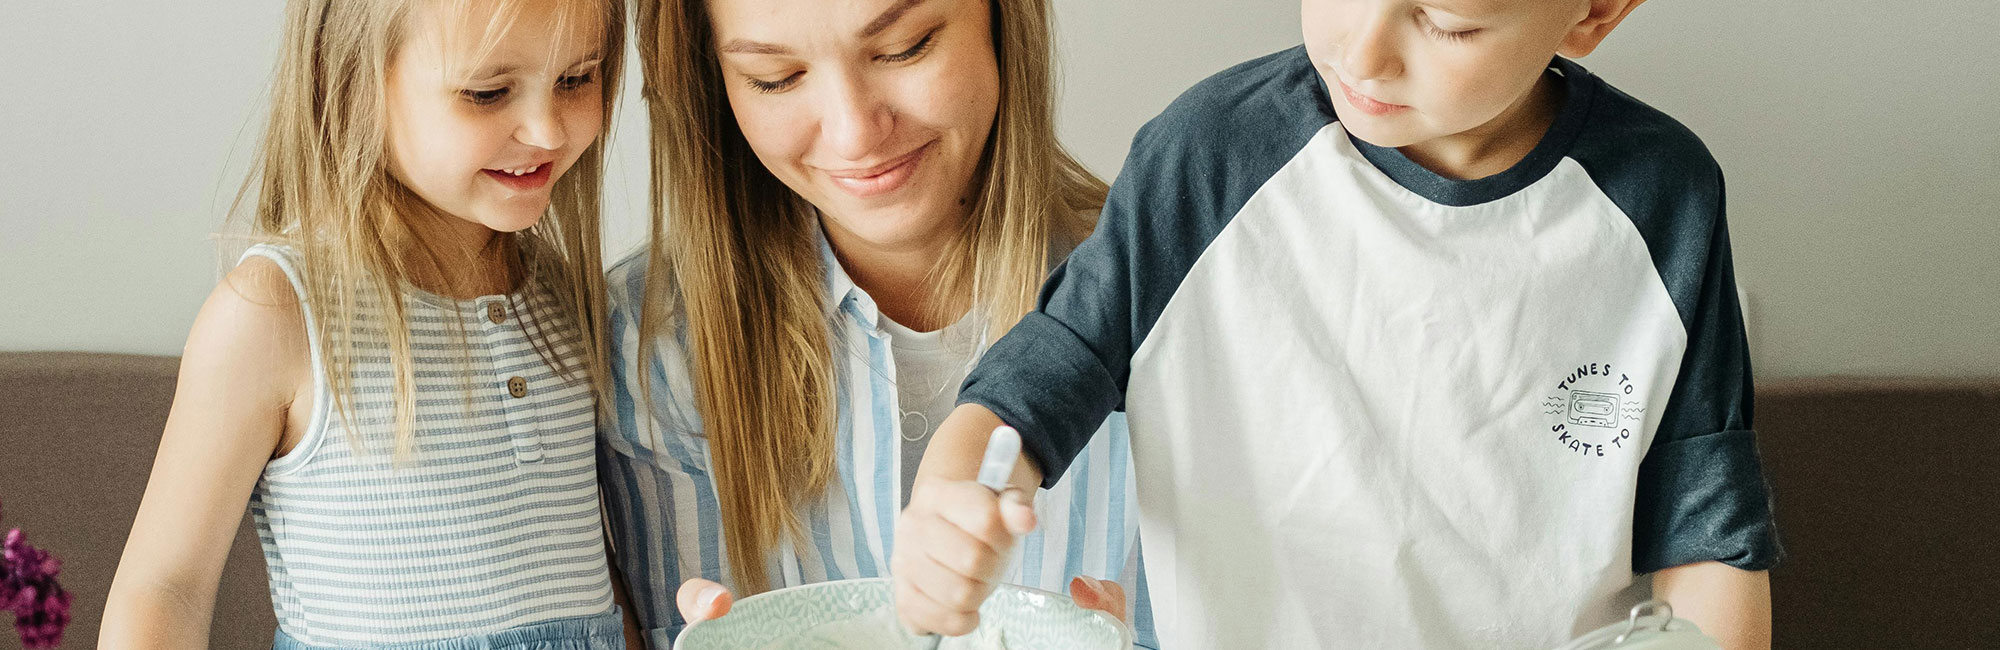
(874, 27)
(888, 17)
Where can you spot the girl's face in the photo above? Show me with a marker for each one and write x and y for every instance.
(876, 111)
(481, 129)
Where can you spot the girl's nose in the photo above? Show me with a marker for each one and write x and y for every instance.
(542, 126)
(1369, 54)
(854, 122)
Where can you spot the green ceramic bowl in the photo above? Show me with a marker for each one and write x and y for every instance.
(810, 617)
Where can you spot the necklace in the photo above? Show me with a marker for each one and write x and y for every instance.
(917, 416)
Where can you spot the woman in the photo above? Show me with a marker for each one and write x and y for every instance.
(852, 200)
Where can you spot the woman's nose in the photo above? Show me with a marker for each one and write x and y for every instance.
(856, 120)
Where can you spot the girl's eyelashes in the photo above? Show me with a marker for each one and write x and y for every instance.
(495, 95)
(575, 81)
(923, 45)
(483, 97)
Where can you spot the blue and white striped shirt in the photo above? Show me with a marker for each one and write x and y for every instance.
(490, 524)
(661, 497)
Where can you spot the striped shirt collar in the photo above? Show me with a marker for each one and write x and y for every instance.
(841, 290)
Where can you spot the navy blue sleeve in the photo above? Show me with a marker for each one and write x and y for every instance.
(1060, 371)
(1701, 495)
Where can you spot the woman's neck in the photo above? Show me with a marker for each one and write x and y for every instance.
(901, 278)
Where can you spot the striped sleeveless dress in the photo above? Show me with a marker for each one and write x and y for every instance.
(487, 534)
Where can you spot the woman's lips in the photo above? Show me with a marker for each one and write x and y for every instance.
(531, 180)
(880, 179)
(1367, 104)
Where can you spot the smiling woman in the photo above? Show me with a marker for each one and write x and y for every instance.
(853, 199)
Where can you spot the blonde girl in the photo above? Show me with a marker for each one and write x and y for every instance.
(399, 380)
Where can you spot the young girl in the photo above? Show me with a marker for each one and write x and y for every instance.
(400, 381)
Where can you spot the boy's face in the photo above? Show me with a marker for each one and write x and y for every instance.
(1409, 72)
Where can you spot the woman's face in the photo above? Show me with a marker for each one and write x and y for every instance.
(876, 111)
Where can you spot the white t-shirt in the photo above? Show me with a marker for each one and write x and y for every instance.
(929, 368)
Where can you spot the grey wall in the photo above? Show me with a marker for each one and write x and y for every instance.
(1861, 139)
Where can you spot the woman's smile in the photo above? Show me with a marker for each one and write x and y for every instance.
(866, 182)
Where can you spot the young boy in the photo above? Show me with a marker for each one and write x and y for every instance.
(1427, 337)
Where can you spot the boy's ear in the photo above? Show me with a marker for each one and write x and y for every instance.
(1586, 34)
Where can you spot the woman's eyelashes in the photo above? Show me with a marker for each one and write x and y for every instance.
(913, 52)
(923, 45)
(763, 86)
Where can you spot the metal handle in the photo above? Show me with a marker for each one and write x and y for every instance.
(1632, 618)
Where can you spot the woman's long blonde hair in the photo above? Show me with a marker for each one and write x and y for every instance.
(323, 187)
(735, 256)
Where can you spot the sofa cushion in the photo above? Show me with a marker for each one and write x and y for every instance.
(1888, 504)
(80, 431)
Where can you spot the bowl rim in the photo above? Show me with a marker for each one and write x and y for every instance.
(1126, 639)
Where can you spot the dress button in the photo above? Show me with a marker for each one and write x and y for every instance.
(496, 312)
(517, 387)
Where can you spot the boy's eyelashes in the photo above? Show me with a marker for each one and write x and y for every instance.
(911, 53)
(487, 97)
(1434, 31)
(1448, 36)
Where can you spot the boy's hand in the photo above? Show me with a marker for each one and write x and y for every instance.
(952, 545)
(701, 600)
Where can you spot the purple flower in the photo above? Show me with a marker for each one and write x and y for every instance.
(28, 588)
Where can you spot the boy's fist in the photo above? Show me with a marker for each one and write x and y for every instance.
(952, 547)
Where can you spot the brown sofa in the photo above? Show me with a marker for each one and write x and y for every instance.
(1888, 495)
(77, 437)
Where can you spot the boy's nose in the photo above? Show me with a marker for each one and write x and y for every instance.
(1370, 52)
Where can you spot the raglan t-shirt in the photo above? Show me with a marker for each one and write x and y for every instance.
(1374, 407)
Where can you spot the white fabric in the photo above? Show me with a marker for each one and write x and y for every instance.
(1385, 386)
(929, 368)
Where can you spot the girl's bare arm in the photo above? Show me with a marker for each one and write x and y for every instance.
(245, 365)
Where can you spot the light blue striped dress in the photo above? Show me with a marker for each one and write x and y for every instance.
(661, 496)
(487, 535)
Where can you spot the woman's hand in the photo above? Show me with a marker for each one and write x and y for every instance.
(701, 600)
(1102, 595)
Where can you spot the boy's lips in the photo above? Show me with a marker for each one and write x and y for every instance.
(1365, 103)
(880, 179)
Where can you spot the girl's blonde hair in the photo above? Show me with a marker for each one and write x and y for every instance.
(735, 254)
(322, 186)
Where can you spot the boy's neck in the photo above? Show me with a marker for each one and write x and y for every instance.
(1500, 143)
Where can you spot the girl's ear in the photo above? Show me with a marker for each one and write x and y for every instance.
(1586, 34)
